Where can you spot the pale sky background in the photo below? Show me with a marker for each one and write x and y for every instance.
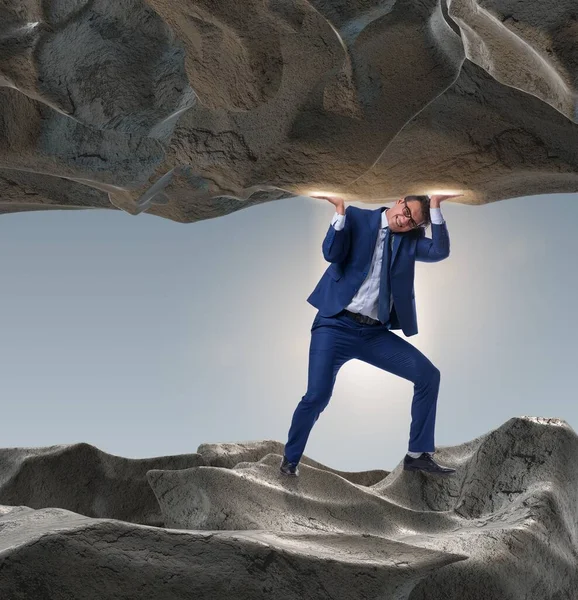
(146, 337)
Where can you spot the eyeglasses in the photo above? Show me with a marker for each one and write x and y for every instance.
(407, 213)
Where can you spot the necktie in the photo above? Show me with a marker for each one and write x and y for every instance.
(384, 281)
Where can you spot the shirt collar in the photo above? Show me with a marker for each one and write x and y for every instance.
(384, 222)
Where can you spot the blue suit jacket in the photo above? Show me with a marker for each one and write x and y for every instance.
(350, 251)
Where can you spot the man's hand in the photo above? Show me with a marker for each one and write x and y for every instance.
(436, 199)
(337, 202)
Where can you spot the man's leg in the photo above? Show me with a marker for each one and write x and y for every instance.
(333, 342)
(388, 351)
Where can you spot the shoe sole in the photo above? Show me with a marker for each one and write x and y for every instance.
(288, 474)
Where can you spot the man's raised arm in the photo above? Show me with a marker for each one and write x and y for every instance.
(335, 246)
(437, 247)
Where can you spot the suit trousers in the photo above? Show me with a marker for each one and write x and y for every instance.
(337, 339)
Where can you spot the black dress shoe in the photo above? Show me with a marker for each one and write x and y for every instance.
(289, 468)
(424, 463)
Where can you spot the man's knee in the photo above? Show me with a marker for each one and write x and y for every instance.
(429, 373)
(317, 399)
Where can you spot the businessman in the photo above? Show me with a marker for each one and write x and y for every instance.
(367, 292)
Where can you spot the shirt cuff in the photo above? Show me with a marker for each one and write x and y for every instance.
(436, 216)
(338, 221)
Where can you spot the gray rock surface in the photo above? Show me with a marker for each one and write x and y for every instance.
(192, 110)
(83, 479)
(53, 553)
(230, 455)
(503, 527)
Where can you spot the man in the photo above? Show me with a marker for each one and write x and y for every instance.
(365, 293)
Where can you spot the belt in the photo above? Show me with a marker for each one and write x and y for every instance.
(362, 318)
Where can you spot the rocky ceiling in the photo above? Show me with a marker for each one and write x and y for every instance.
(192, 110)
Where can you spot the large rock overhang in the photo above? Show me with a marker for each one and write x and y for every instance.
(196, 109)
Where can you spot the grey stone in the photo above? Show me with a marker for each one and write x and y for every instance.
(232, 454)
(233, 527)
(85, 480)
(192, 110)
(57, 554)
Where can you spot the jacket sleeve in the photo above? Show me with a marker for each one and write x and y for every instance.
(336, 244)
(435, 248)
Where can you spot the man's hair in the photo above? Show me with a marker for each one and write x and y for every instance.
(424, 205)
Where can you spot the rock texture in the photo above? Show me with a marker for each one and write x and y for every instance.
(230, 526)
(192, 110)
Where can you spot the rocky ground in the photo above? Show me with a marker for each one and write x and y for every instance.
(223, 523)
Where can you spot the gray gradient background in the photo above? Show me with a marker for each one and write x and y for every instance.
(146, 337)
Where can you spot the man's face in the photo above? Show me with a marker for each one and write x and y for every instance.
(398, 221)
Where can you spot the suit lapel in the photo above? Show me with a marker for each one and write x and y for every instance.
(396, 239)
(374, 226)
